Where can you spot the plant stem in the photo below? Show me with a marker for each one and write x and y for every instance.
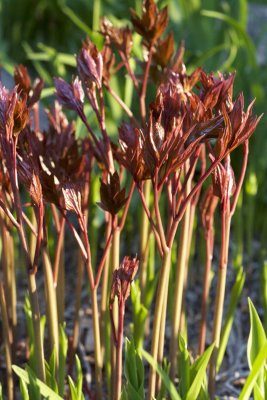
(123, 105)
(104, 288)
(9, 276)
(51, 302)
(33, 238)
(209, 238)
(104, 319)
(115, 260)
(95, 314)
(97, 344)
(7, 343)
(192, 206)
(31, 271)
(160, 298)
(183, 328)
(31, 275)
(162, 335)
(178, 293)
(77, 306)
(144, 237)
(119, 351)
(142, 97)
(59, 272)
(38, 341)
(220, 294)
(96, 15)
(153, 226)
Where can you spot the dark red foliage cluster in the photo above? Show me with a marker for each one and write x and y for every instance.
(189, 112)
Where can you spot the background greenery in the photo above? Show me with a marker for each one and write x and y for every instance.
(219, 35)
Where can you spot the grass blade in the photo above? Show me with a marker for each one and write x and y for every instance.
(256, 341)
(255, 370)
(238, 28)
(165, 378)
(44, 389)
(200, 367)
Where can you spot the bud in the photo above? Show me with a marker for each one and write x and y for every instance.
(152, 23)
(70, 96)
(223, 180)
(112, 197)
(90, 64)
(122, 279)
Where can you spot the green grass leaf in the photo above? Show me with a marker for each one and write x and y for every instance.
(257, 366)
(73, 390)
(63, 348)
(256, 341)
(23, 390)
(184, 367)
(44, 389)
(239, 30)
(165, 378)
(200, 367)
(257, 337)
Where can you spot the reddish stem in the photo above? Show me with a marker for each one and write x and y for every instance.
(126, 207)
(104, 256)
(241, 178)
(144, 86)
(153, 226)
(58, 249)
(157, 212)
(119, 350)
(123, 105)
(205, 293)
(129, 70)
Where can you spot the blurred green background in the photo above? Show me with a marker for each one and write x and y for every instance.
(219, 35)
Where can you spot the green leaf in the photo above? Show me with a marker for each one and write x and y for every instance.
(43, 73)
(140, 313)
(132, 393)
(199, 367)
(24, 389)
(50, 377)
(234, 298)
(257, 393)
(257, 337)
(256, 341)
(52, 363)
(76, 20)
(257, 366)
(130, 364)
(63, 348)
(44, 389)
(73, 390)
(163, 390)
(95, 36)
(124, 394)
(46, 92)
(134, 372)
(79, 378)
(251, 184)
(67, 59)
(238, 28)
(76, 390)
(165, 378)
(184, 367)
(243, 13)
